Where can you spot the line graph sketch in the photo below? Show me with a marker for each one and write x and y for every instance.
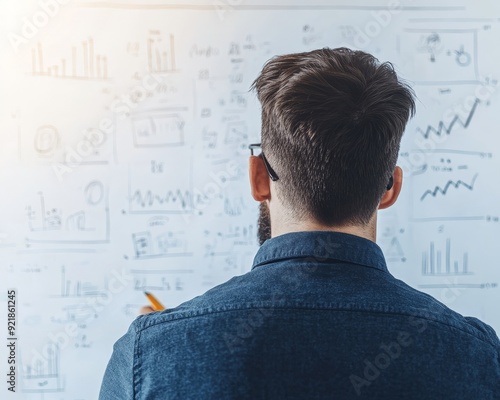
(443, 128)
(450, 184)
(148, 194)
(168, 201)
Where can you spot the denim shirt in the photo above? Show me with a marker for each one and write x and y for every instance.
(318, 317)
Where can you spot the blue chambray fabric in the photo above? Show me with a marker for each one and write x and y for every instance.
(318, 317)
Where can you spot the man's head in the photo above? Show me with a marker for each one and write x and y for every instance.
(332, 122)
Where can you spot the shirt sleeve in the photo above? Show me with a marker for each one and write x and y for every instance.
(118, 381)
(486, 330)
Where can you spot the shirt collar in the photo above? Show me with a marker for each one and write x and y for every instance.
(321, 247)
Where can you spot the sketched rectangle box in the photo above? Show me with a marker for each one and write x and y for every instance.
(445, 56)
(158, 127)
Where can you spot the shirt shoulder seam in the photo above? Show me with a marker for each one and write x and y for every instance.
(422, 315)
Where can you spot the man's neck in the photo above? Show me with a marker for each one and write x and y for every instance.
(368, 231)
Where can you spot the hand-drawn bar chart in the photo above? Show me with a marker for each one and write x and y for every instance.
(161, 53)
(43, 376)
(84, 63)
(78, 288)
(435, 262)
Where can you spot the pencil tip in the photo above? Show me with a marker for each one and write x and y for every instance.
(146, 293)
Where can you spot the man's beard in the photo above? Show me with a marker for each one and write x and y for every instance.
(263, 223)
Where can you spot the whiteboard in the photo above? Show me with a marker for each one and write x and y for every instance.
(123, 159)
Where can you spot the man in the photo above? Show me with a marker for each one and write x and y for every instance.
(318, 316)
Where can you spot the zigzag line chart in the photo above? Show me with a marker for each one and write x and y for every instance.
(443, 128)
(450, 184)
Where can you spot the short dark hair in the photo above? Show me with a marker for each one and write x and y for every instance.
(332, 122)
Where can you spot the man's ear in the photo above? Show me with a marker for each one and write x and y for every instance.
(391, 195)
(259, 179)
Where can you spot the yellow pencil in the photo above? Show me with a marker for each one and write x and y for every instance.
(157, 306)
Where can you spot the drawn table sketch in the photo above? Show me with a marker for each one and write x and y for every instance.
(125, 127)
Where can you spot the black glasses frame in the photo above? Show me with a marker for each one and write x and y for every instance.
(270, 171)
(274, 176)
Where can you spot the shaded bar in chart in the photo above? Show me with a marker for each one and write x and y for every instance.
(84, 64)
(160, 52)
(78, 288)
(43, 375)
(434, 264)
